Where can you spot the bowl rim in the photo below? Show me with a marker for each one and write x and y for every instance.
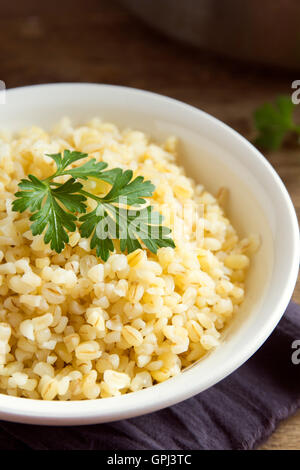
(145, 401)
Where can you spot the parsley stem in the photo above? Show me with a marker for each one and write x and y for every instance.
(81, 191)
(92, 196)
(50, 178)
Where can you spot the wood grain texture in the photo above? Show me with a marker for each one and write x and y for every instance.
(98, 41)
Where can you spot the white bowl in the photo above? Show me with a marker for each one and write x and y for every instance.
(217, 156)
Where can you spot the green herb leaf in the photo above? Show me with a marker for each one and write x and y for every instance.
(110, 176)
(68, 158)
(274, 122)
(48, 207)
(55, 208)
(134, 191)
(91, 224)
(31, 196)
(66, 194)
(143, 225)
(56, 221)
(88, 169)
(132, 227)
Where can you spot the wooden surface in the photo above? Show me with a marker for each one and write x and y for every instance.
(98, 41)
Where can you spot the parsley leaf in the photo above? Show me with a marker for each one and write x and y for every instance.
(48, 207)
(55, 208)
(68, 158)
(132, 190)
(101, 222)
(274, 122)
(131, 227)
(145, 226)
(90, 168)
(53, 217)
(67, 195)
(31, 196)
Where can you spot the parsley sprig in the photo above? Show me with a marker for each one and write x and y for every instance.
(57, 208)
(274, 122)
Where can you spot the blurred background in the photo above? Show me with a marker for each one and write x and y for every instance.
(226, 57)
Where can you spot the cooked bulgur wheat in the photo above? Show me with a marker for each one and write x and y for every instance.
(73, 327)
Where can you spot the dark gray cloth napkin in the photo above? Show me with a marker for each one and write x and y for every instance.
(238, 413)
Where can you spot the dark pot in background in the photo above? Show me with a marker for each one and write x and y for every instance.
(265, 31)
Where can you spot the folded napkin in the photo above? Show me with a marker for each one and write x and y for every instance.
(238, 413)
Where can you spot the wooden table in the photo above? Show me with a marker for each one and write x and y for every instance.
(98, 41)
